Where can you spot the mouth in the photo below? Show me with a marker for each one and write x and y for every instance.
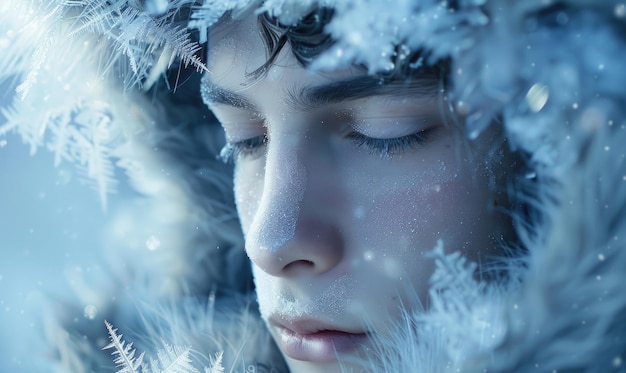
(314, 341)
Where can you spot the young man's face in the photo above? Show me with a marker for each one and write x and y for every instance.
(354, 185)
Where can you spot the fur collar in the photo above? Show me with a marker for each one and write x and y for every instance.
(551, 71)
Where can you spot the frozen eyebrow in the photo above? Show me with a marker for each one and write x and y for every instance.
(310, 98)
(213, 94)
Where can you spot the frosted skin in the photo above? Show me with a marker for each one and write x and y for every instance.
(335, 232)
(285, 186)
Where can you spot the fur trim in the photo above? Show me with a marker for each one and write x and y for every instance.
(550, 71)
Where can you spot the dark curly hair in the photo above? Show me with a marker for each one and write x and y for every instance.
(308, 39)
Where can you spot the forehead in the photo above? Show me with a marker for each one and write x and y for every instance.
(237, 49)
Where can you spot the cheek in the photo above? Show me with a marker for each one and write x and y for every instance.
(398, 228)
(452, 210)
(400, 217)
(396, 202)
(248, 191)
(266, 291)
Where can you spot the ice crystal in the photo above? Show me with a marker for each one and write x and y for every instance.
(170, 359)
(151, 43)
(80, 133)
(216, 364)
(423, 339)
(125, 358)
(457, 297)
(156, 7)
(63, 98)
(289, 12)
(210, 11)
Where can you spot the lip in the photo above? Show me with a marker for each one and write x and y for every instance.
(314, 341)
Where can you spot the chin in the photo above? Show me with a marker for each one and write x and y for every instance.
(348, 366)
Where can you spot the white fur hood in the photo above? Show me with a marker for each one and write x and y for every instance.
(93, 82)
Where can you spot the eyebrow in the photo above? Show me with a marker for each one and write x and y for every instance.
(309, 98)
(214, 94)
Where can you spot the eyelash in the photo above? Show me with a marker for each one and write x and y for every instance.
(245, 148)
(385, 147)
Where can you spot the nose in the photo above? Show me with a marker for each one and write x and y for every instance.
(292, 232)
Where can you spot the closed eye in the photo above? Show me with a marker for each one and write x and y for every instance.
(390, 146)
(248, 148)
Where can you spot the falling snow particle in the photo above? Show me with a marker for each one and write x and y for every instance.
(575, 106)
(355, 38)
(153, 243)
(620, 10)
(359, 212)
(601, 257)
(90, 311)
(537, 97)
(3, 143)
(462, 108)
(617, 362)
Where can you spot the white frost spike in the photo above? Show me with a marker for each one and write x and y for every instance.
(38, 60)
(289, 12)
(156, 7)
(173, 359)
(125, 353)
(458, 297)
(143, 39)
(210, 12)
(216, 364)
(170, 359)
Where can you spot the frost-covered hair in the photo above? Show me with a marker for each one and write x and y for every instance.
(308, 38)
